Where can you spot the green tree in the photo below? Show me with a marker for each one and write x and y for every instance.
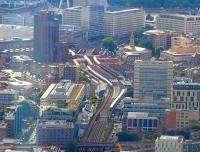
(125, 136)
(129, 92)
(84, 78)
(149, 17)
(110, 44)
(158, 50)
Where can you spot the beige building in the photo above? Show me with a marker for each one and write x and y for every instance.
(180, 41)
(189, 54)
(159, 38)
(123, 22)
(186, 102)
(73, 16)
(179, 23)
(169, 144)
(153, 79)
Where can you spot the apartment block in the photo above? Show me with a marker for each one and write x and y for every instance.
(179, 23)
(123, 22)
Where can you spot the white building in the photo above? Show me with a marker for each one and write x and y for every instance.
(169, 144)
(179, 23)
(153, 79)
(107, 23)
(123, 22)
(141, 120)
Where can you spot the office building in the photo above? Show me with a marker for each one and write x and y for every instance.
(99, 22)
(74, 16)
(159, 38)
(7, 96)
(141, 121)
(46, 37)
(71, 72)
(3, 130)
(13, 118)
(124, 22)
(96, 22)
(186, 102)
(191, 146)
(169, 144)
(90, 2)
(179, 23)
(89, 18)
(54, 132)
(153, 108)
(153, 79)
(54, 113)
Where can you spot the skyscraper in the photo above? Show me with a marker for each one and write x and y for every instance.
(153, 79)
(46, 37)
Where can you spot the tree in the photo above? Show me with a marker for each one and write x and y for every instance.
(129, 92)
(84, 78)
(110, 44)
(149, 17)
(158, 50)
(125, 136)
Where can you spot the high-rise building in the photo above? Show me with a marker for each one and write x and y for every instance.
(169, 144)
(186, 102)
(153, 79)
(46, 37)
(98, 22)
(13, 118)
(179, 23)
(90, 2)
(89, 18)
(96, 16)
(123, 22)
(71, 72)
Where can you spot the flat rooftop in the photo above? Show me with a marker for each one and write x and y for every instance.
(56, 124)
(140, 115)
(177, 138)
(124, 11)
(15, 32)
(74, 95)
